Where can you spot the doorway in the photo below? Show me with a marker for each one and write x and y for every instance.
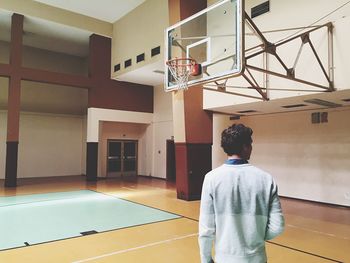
(121, 158)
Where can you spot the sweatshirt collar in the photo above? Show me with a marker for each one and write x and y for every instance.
(236, 161)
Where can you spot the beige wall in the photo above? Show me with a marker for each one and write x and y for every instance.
(145, 161)
(49, 98)
(138, 32)
(96, 115)
(179, 116)
(52, 122)
(220, 122)
(162, 129)
(124, 131)
(83, 149)
(150, 130)
(4, 52)
(308, 161)
(3, 123)
(49, 145)
(54, 61)
(3, 134)
(4, 83)
(47, 60)
(151, 136)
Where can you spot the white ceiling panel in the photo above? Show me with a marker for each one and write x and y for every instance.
(106, 10)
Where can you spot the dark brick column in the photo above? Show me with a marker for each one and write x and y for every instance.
(14, 101)
(193, 156)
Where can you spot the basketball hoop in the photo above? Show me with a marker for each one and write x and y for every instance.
(181, 69)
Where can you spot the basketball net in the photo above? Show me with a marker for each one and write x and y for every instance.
(181, 69)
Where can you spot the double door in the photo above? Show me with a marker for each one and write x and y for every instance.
(121, 157)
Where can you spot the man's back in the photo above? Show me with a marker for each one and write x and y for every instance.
(241, 209)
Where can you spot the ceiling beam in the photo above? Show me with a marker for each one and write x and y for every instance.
(58, 15)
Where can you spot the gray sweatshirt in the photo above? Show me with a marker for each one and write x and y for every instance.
(240, 209)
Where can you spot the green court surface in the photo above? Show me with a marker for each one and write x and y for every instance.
(33, 219)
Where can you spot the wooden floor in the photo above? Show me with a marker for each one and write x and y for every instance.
(315, 233)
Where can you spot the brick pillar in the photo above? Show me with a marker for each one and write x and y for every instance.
(14, 100)
(192, 125)
(99, 73)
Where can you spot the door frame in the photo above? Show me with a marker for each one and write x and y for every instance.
(122, 141)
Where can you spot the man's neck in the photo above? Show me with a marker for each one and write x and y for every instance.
(235, 156)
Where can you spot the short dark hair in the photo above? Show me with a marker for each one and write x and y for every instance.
(234, 137)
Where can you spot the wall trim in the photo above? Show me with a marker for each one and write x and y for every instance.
(314, 202)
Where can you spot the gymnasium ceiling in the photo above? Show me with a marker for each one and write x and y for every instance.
(69, 40)
(60, 38)
(105, 10)
(56, 37)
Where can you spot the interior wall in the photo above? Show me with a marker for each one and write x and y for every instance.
(96, 115)
(123, 131)
(4, 52)
(83, 147)
(130, 38)
(52, 136)
(4, 83)
(308, 161)
(3, 123)
(50, 98)
(47, 60)
(162, 129)
(52, 118)
(49, 145)
(146, 164)
(3, 133)
(54, 61)
(38, 99)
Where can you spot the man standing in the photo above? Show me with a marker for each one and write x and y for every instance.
(240, 208)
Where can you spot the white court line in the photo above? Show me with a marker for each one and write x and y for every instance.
(135, 248)
(318, 232)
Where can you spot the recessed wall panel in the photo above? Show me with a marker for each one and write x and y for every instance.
(54, 47)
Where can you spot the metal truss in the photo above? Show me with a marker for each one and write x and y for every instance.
(268, 48)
